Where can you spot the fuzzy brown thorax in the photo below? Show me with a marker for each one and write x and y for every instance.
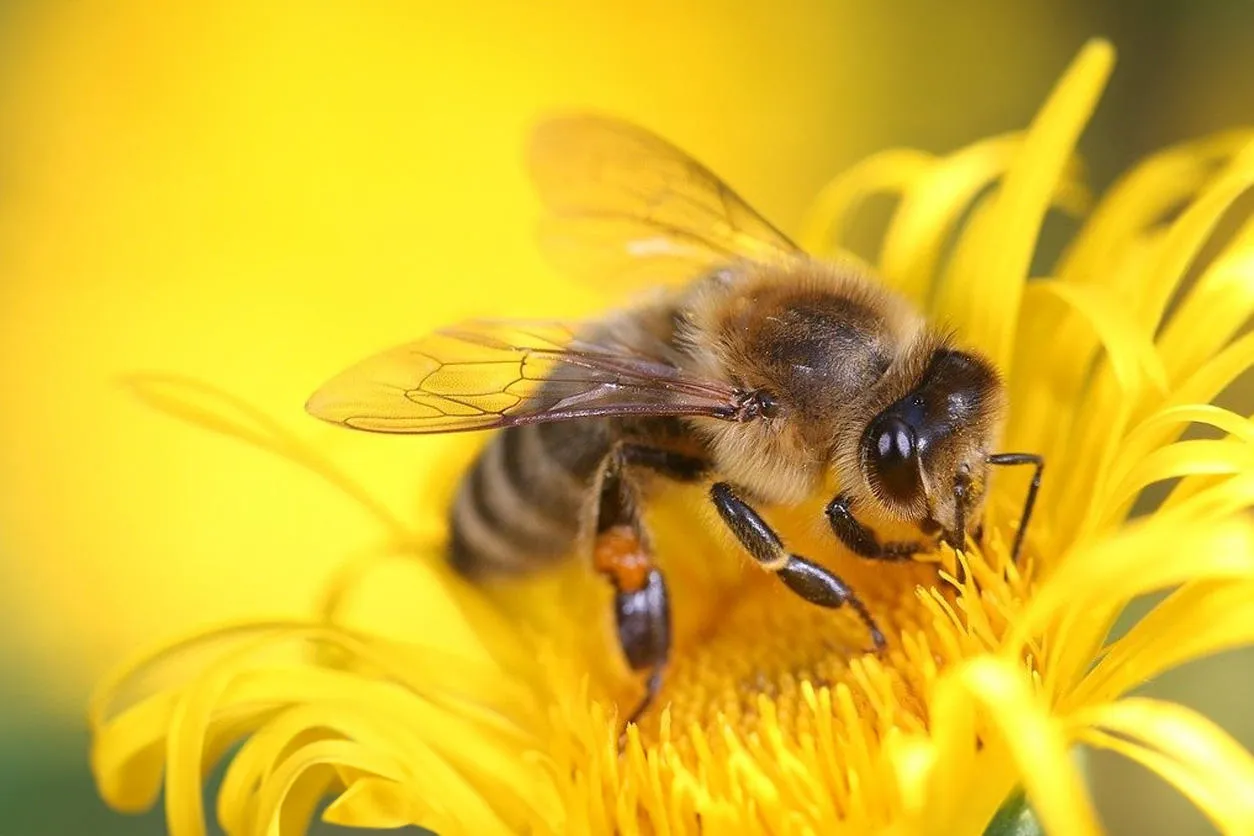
(843, 361)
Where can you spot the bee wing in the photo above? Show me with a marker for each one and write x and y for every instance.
(486, 374)
(626, 203)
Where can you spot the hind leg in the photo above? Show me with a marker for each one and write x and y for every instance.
(623, 555)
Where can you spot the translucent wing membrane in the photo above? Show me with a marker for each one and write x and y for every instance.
(627, 204)
(485, 374)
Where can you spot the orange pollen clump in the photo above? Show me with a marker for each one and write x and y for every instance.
(619, 555)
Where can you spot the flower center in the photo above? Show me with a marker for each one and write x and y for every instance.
(771, 644)
(742, 637)
(773, 700)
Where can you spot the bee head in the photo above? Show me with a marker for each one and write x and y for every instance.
(926, 454)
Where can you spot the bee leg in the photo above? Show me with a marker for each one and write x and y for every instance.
(678, 467)
(804, 577)
(861, 540)
(642, 612)
(957, 539)
(1038, 468)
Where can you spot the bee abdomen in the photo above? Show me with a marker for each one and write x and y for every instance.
(520, 506)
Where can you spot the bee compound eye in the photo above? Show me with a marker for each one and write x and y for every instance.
(894, 457)
(894, 442)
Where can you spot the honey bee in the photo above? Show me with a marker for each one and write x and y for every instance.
(762, 375)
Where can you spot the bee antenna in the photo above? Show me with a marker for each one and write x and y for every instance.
(1038, 463)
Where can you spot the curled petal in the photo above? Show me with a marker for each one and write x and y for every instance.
(1184, 458)
(1187, 236)
(381, 803)
(1212, 377)
(1200, 619)
(383, 704)
(1192, 753)
(1161, 426)
(1079, 601)
(1214, 310)
(1142, 199)
(888, 172)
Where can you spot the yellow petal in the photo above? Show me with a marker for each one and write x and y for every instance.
(1187, 236)
(942, 795)
(1228, 496)
(1186, 749)
(1131, 355)
(403, 596)
(1091, 456)
(1034, 739)
(1212, 377)
(933, 203)
(213, 409)
(283, 803)
(988, 300)
(914, 762)
(364, 723)
(1201, 618)
(1159, 427)
(1073, 385)
(127, 759)
(380, 803)
(1085, 447)
(1092, 585)
(193, 729)
(1184, 458)
(1141, 199)
(1214, 310)
(891, 171)
(400, 708)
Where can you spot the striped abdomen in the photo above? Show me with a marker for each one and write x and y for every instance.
(520, 506)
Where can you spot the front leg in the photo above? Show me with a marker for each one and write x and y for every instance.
(804, 577)
(861, 540)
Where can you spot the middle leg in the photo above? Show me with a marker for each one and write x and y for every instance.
(804, 577)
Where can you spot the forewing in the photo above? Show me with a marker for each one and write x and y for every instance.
(486, 374)
(627, 204)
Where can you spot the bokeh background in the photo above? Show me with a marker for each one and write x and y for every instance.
(254, 194)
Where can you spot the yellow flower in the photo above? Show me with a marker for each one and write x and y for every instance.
(495, 710)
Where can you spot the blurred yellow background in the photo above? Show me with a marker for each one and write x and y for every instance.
(257, 194)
